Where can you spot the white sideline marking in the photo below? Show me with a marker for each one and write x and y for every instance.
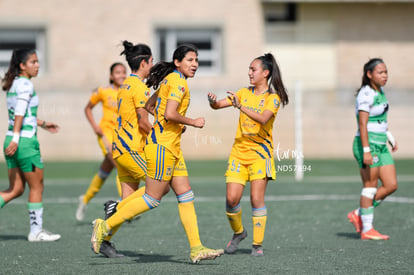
(281, 178)
(331, 197)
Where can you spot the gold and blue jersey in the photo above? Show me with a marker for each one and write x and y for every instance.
(164, 132)
(253, 140)
(128, 137)
(108, 97)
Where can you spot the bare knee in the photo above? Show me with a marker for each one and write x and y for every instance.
(232, 201)
(391, 188)
(19, 191)
(16, 191)
(257, 201)
(37, 188)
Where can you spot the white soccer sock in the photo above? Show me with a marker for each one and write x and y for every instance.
(367, 217)
(36, 220)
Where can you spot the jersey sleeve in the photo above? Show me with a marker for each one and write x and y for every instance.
(364, 99)
(238, 94)
(24, 92)
(96, 96)
(176, 89)
(272, 103)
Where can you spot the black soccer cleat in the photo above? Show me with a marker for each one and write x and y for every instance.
(108, 250)
(110, 208)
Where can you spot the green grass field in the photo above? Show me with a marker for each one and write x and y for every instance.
(307, 229)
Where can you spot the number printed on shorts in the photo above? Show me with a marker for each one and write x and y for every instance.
(233, 167)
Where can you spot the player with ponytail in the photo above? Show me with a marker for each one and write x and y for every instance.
(21, 146)
(370, 148)
(165, 162)
(251, 158)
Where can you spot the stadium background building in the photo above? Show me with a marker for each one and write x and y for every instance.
(321, 47)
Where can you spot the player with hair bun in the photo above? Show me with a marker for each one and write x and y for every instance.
(251, 158)
(21, 146)
(370, 148)
(129, 135)
(165, 162)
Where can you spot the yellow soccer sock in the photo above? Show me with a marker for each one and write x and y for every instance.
(234, 215)
(188, 217)
(93, 188)
(189, 220)
(133, 208)
(118, 186)
(137, 194)
(112, 233)
(259, 226)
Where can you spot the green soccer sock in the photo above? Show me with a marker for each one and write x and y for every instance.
(2, 202)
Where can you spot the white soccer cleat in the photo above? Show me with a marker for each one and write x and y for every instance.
(43, 236)
(80, 212)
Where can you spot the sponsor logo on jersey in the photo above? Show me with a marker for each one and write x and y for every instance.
(125, 86)
(181, 89)
(147, 93)
(174, 95)
(276, 103)
(261, 104)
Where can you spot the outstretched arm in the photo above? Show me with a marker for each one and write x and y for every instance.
(262, 118)
(48, 126)
(172, 114)
(212, 99)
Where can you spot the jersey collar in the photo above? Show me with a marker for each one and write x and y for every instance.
(135, 75)
(181, 75)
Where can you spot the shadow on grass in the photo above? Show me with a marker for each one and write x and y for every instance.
(145, 258)
(240, 251)
(348, 235)
(12, 237)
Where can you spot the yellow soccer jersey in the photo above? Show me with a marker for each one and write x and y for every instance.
(127, 136)
(255, 141)
(107, 96)
(163, 132)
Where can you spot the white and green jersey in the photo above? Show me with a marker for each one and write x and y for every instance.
(376, 104)
(23, 101)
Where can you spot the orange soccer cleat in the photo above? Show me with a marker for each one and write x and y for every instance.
(355, 219)
(373, 234)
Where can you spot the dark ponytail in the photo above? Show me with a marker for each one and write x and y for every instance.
(160, 70)
(274, 78)
(369, 67)
(135, 54)
(18, 56)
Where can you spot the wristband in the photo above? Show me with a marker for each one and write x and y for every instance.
(391, 139)
(367, 149)
(16, 138)
(43, 124)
